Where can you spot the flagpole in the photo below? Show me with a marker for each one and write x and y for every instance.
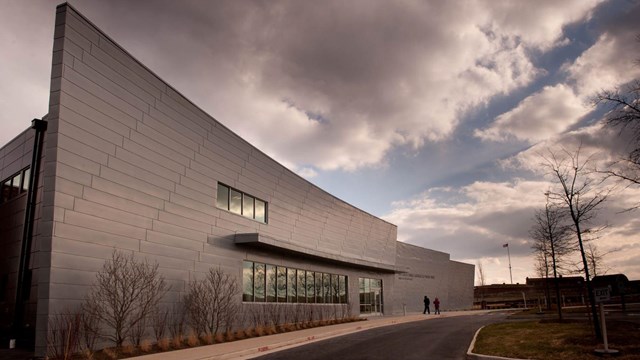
(509, 255)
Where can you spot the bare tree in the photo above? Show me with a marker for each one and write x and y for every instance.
(177, 320)
(624, 114)
(159, 323)
(63, 338)
(126, 293)
(595, 258)
(579, 194)
(551, 236)
(90, 332)
(481, 275)
(211, 302)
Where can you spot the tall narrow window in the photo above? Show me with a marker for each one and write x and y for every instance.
(261, 211)
(311, 287)
(319, 288)
(247, 281)
(235, 202)
(282, 284)
(16, 184)
(25, 180)
(342, 286)
(271, 283)
(326, 284)
(291, 285)
(6, 190)
(302, 287)
(247, 206)
(223, 197)
(259, 279)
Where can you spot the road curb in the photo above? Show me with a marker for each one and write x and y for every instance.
(247, 353)
(473, 356)
(261, 347)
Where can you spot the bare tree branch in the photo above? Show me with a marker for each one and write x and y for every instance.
(211, 302)
(578, 192)
(126, 293)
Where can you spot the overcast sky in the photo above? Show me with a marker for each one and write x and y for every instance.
(429, 114)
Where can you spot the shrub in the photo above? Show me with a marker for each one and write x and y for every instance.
(211, 302)
(64, 335)
(125, 295)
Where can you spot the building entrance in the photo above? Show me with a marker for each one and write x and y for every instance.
(371, 296)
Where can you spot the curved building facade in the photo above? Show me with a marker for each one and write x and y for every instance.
(128, 163)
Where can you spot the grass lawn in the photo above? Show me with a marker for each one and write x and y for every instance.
(549, 339)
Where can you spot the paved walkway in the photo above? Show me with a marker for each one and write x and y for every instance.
(253, 347)
(248, 348)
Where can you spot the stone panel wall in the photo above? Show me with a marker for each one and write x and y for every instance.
(134, 166)
(431, 273)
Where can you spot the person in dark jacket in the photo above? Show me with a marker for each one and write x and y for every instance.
(426, 305)
(436, 306)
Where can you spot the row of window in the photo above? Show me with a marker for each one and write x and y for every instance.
(242, 204)
(270, 283)
(15, 185)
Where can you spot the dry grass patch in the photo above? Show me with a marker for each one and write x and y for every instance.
(550, 340)
(146, 346)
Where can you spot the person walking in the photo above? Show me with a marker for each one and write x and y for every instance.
(436, 306)
(426, 305)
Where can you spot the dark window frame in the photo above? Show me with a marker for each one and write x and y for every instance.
(10, 190)
(243, 196)
(287, 285)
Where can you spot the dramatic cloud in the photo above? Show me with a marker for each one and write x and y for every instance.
(487, 215)
(482, 218)
(344, 90)
(609, 63)
(339, 85)
(540, 116)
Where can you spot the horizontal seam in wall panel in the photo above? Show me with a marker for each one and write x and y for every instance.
(76, 78)
(109, 85)
(103, 103)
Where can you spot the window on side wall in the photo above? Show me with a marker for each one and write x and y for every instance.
(270, 283)
(14, 185)
(241, 203)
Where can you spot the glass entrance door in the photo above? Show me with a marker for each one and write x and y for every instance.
(370, 296)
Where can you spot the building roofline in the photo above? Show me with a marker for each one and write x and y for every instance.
(68, 5)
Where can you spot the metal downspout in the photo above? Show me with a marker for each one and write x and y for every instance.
(40, 126)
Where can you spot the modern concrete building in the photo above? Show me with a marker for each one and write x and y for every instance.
(124, 161)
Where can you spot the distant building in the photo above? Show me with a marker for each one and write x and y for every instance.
(572, 289)
(499, 296)
(128, 163)
(542, 290)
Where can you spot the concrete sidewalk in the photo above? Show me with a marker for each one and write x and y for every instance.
(248, 348)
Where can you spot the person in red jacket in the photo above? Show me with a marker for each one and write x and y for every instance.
(436, 305)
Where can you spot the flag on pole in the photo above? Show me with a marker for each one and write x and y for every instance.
(505, 245)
